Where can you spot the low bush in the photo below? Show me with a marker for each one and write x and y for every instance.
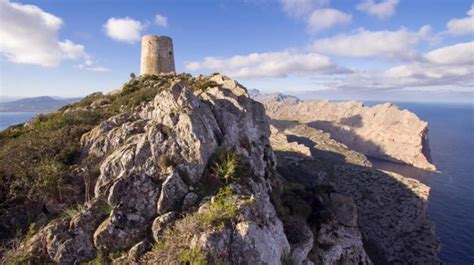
(74, 211)
(225, 166)
(175, 245)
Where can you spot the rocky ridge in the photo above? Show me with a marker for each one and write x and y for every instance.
(391, 208)
(189, 177)
(383, 131)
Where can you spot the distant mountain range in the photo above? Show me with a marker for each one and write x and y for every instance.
(36, 104)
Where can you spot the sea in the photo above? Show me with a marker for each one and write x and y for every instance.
(451, 201)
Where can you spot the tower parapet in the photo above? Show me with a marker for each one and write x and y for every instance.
(157, 55)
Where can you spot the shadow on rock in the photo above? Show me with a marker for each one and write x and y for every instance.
(391, 208)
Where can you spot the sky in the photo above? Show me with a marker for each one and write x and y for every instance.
(391, 50)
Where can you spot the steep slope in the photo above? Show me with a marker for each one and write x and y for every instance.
(391, 208)
(172, 169)
(382, 131)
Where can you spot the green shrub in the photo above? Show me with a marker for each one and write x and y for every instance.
(31, 232)
(193, 256)
(176, 240)
(50, 178)
(226, 165)
(222, 210)
(73, 212)
(116, 255)
(100, 259)
(107, 208)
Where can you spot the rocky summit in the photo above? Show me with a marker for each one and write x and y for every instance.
(383, 131)
(175, 169)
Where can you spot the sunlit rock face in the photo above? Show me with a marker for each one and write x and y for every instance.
(383, 131)
(158, 184)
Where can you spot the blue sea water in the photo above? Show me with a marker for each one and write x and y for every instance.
(451, 203)
(11, 118)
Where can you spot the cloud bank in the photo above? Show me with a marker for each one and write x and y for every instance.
(269, 64)
(398, 44)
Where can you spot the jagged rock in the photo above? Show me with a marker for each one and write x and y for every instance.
(134, 201)
(338, 244)
(190, 200)
(390, 209)
(161, 223)
(152, 155)
(280, 143)
(257, 239)
(172, 193)
(137, 251)
(382, 131)
(156, 160)
(301, 240)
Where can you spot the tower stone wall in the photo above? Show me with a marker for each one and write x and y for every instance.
(157, 55)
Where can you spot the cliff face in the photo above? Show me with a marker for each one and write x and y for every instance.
(186, 174)
(391, 209)
(382, 131)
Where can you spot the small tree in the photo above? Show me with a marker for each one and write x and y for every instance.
(132, 75)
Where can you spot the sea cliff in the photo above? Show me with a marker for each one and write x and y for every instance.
(383, 131)
(180, 169)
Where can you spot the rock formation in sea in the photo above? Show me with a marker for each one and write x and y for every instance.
(175, 169)
(383, 131)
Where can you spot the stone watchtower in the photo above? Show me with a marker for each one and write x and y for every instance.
(157, 55)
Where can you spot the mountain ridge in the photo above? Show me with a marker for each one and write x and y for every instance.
(36, 104)
(174, 168)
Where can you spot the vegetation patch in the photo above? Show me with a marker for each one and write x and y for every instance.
(73, 212)
(225, 166)
(175, 245)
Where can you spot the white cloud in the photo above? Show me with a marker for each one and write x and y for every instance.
(90, 65)
(443, 68)
(441, 64)
(161, 21)
(71, 50)
(124, 29)
(461, 53)
(462, 26)
(363, 43)
(29, 35)
(325, 18)
(382, 10)
(299, 8)
(270, 64)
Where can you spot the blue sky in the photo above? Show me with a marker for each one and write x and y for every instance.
(402, 50)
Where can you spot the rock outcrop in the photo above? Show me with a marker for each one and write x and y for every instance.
(192, 172)
(391, 209)
(383, 131)
(188, 174)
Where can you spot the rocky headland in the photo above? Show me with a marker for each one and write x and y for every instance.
(391, 209)
(383, 131)
(175, 169)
